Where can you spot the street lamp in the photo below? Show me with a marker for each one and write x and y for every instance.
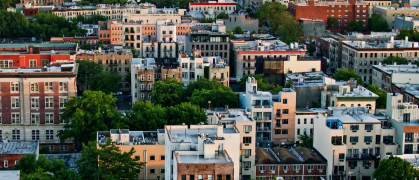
(209, 105)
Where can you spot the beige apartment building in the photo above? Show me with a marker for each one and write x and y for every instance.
(148, 146)
(373, 3)
(390, 13)
(118, 62)
(146, 16)
(349, 97)
(284, 109)
(243, 121)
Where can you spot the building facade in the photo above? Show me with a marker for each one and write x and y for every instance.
(284, 108)
(386, 75)
(349, 97)
(11, 152)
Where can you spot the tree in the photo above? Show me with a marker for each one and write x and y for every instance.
(394, 59)
(306, 140)
(186, 113)
(107, 82)
(332, 22)
(108, 162)
(99, 44)
(87, 46)
(238, 30)
(168, 92)
(262, 83)
(394, 168)
(92, 112)
(4, 4)
(347, 74)
(134, 52)
(42, 168)
(222, 15)
(146, 116)
(311, 49)
(376, 23)
(230, 34)
(218, 98)
(382, 97)
(204, 83)
(95, 18)
(209, 20)
(281, 22)
(356, 25)
(128, 77)
(253, 32)
(288, 84)
(87, 69)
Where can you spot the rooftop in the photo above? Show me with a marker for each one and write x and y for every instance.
(310, 111)
(396, 8)
(69, 159)
(187, 159)
(236, 115)
(374, 44)
(127, 137)
(179, 134)
(357, 35)
(412, 89)
(53, 68)
(265, 45)
(359, 91)
(397, 68)
(10, 174)
(280, 155)
(350, 115)
(18, 148)
(313, 79)
(326, 3)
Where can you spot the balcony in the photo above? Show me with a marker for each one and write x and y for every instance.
(149, 50)
(260, 129)
(361, 156)
(256, 106)
(262, 139)
(191, 69)
(267, 106)
(167, 50)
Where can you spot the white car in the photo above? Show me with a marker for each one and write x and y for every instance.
(117, 93)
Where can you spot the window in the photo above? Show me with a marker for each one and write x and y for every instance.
(305, 120)
(50, 147)
(284, 101)
(14, 86)
(161, 171)
(277, 131)
(341, 156)
(137, 158)
(285, 111)
(162, 158)
(298, 121)
(296, 168)
(63, 147)
(49, 118)
(247, 140)
(354, 127)
(152, 158)
(247, 152)
(247, 128)
(285, 121)
(353, 139)
(152, 171)
(48, 86)
(63, 100)
(35, 118)
(34, 87)
(366, 164)
(298, 131)
(6, 164)
(15, 118)
(48, 102)
(367, 139)
(35, 135)
(16, 134)
(209, 177)
(262, 168)
(285, 131)
(368, 127)
(15, 102)
(311, 121)
(49, 134)
(200, 177)
(34, 102)
(63, 86)
(6, 64)
(352, 164)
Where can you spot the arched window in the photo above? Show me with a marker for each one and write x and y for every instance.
(359, 105)
(142, 77)
(369, 106)
(149, 77)
(342, 105)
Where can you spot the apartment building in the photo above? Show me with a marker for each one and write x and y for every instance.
(336, 41)
(146, 71)
(410, 92)
(293, 163)
(148, 146)
(247, 128)
(11, 152)
(110, 32)
(118, 62)
(404, 118)
(406, 23)
(390, 13)
(192, 67)
(247, 52)
(42, 2)
(112, 12)
(373, 3)
(276, 69)
(344, 12)
(357, 141)
(247, 24)
(218, 69)
(33, 98)
(388, 74)
(349, 97)
(214, 6)
(361, 55)
(150, 16)
(92, 40)
(260, 104)
(202, 152)
(211, 40)
(132, 36)
(304, 121)
(284, 108)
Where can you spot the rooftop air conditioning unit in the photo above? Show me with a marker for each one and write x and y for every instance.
(262, 171)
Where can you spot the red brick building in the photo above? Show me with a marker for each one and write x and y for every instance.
(343, 11)
(11, 152)
(32, 60)
(294, 163)
(30, 12)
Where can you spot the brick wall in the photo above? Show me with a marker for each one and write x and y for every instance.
(213, 169)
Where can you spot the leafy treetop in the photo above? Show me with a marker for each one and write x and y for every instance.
(347, 74)
(394, 168)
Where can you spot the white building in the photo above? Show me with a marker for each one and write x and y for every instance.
(247, 129)
(200, 149)
(347, 97)
(214, 6)
(305, 119)
(260, 104)
(352, 141)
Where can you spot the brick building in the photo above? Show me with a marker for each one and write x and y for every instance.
(11, 152)
(32, 60)
(32, 100)
(110, 32)
(343, 11)
(294, 163)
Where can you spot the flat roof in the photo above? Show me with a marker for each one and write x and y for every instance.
(397, 68)
(352, 115)
(233, 114)
(10, 174)
(185, 135)
(359, 91)
(189, 159)
(18, 148)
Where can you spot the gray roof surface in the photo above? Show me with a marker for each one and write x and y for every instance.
(69, 159)
(18, 148)
(10, 174)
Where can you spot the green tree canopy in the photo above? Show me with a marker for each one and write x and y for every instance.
(134, 52)
(332, 22)
(87, 69)
(145, 116)
(376, 23)
(108, 162)
(347, 74)
(107, 82)
(168, 92)
(394, 59)
(4, 4)
(209, 20)
(281, 22)
(288, 84)
(92, 112)
(382, 97)
(356, 25)
(394, 168)
(42, 168)
(87, 47)
(186, 113)
(306, 140)
(204, 83)
(222, 15)
(311, 49)
(238, 30)
(93, 19)
(262, 83)
(218, 98)
(230, 34)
